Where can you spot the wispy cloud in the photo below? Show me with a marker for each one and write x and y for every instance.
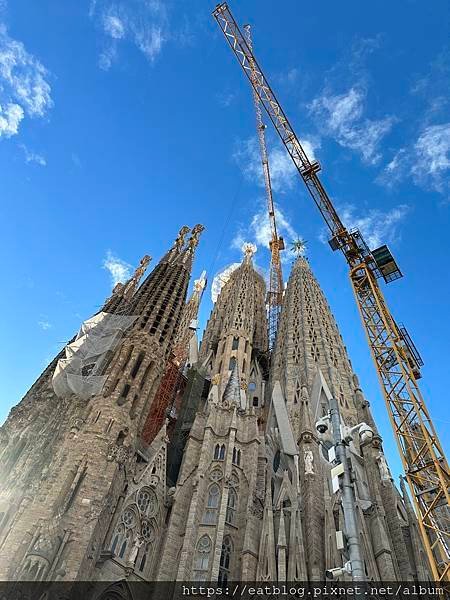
(259, 232)
(43, 324)
(289, 77)
(432, 86)
(341, 117)
(282, 170)
(33, 157)
(24, 89)
(226, 99)
(377, 227)
(144, 24)
(427, 161)
(119, 270)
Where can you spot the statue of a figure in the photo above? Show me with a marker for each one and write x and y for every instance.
(304, 394)
(137, 543)
(133, 282)
(309, 462)
(179, 242)
(141, 269)
(385, 474)
(216, 379)
(195, 234)
(248, 249)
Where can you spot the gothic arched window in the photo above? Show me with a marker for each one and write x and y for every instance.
(225, 559)
(201, 559)
(145, 553)
(216, 452)
(232, 363)
(212, 505)
(124, 533)
(222, 452)
(231, 506)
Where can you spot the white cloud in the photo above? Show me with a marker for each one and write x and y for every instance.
(24, 89)
(289, 77)
(427, 161)
(226, 99)
(341, 117)
(260, 227)
(432, 151)
(377, 227)
(33, 157)
(113, 26)
(119, 270)
(259, 231)
(144, 24)
(44, 325)
(10, 117)
(221, 279)
(282, 170)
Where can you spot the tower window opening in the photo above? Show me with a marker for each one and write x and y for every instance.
(202, 558)
(137, 364)
(225, 559)
(251, 386)
(212, 505)
(255, 401)
(236, 457)
(232, 363)
(145, 375)
(235, 344)
(230, 515)
(124, 394)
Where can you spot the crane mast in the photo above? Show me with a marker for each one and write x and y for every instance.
(395, 356)
(276, 244)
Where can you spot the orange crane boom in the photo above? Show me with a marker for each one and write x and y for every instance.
(276, 244)
(395, 356)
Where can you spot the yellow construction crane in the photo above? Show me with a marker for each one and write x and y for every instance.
(276, 244)
(396, 358)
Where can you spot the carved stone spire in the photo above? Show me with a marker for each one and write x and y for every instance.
(232, 393)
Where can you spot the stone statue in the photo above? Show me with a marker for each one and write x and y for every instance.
(193, 241)
(179, 242)
(141, 269)
(216, 379)
(137, 543)
(309, 462)
(385, 474)
(248, 249)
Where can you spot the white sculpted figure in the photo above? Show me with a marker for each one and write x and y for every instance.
(385, 474)
(309, 462)
(137, 543)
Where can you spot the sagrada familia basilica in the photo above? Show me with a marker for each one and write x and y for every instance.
(140, 455)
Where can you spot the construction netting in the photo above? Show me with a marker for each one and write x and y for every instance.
(80, 371)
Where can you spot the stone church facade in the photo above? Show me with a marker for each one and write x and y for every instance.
(239, 487)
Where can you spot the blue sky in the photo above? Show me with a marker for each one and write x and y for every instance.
(122, 120)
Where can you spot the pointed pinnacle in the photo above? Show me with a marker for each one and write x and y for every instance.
(232, 392)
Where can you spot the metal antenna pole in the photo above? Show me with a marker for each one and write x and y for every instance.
(348, 499)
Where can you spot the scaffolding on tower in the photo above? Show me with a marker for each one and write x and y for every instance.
(166, 402)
